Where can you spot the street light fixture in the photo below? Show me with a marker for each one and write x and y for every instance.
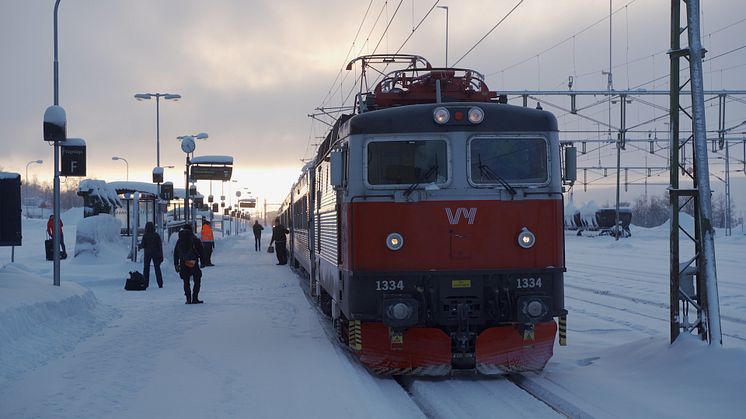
(25, 184)
(157, 96)
(188, 146)
(446, 9)
(126, 163)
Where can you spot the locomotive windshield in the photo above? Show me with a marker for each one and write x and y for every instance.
(512, 160)
(407, 162)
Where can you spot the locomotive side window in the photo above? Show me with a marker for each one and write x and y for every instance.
(514, 160)
(407, 162)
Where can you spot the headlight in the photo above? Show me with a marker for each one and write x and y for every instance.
(526, 239)
(476, 115)
(399, 311)
(441, 115)
(394, 241)
(534, 309)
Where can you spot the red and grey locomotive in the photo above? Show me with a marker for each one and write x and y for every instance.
(430, 225)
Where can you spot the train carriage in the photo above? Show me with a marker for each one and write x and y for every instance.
(433, 227)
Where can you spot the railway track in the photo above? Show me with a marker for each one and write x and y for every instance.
(628, 311)
(475, 396)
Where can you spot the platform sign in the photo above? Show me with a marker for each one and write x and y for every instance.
(215, 207)
(222, 173)
(73, 160)
(247, 203)
(167, 191)
(10, 209)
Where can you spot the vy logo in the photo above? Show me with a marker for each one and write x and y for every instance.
(455, 217)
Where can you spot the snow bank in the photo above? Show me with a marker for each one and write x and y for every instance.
(39, 321)
(709, 386)
(96, 234)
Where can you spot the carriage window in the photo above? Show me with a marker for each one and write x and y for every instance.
(407, 162)
(515, 160)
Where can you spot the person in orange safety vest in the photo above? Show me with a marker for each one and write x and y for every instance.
(208, 241)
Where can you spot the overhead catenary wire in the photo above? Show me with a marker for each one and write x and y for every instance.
(367, 38)
(587, 28)
(347, 56)
(489, 32)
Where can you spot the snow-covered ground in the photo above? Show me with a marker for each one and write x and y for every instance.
(258, 348)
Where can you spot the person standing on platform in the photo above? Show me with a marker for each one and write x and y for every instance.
(208, 243)
(187, 254)
(278, 237)
(257, 235)
(153, 250)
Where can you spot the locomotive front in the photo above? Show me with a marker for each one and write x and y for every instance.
(439, 229)
(455, 254)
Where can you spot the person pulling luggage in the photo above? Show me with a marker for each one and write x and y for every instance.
(188, 252)
(50, 233)
(278, 237)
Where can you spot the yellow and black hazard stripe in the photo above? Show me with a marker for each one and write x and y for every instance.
(355, 335)
(432, 370)
(563, 330)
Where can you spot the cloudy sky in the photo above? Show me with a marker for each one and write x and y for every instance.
(250, 72)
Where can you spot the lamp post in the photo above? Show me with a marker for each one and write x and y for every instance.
(187, 146)
(126, 165)
(56, 226)
(25, 184)
(158, 96)
(446, 9)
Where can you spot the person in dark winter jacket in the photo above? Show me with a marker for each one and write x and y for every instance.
(153, 250)
(278, 237)
(188, 252)
(257, 235)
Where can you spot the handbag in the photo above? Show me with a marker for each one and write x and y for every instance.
(270, 249)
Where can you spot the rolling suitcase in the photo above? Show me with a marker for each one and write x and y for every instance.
(48, 247)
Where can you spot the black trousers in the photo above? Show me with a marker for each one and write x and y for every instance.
(191, 273)
(207, 246)
(282, 252)
(257, 242)
(146, 270)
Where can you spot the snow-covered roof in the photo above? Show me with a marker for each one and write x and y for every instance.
(73, 142)
(55, 115)
(129, 186)
(212, 160)
(9, 175)
(99, 188)
(151, 188)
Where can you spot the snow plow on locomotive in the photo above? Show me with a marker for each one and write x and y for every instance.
(430, 226)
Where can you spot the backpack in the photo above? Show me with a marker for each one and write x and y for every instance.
(135, 282)
(189, 258)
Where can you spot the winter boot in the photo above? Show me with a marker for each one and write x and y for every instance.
(196, 300)
(188, 299)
